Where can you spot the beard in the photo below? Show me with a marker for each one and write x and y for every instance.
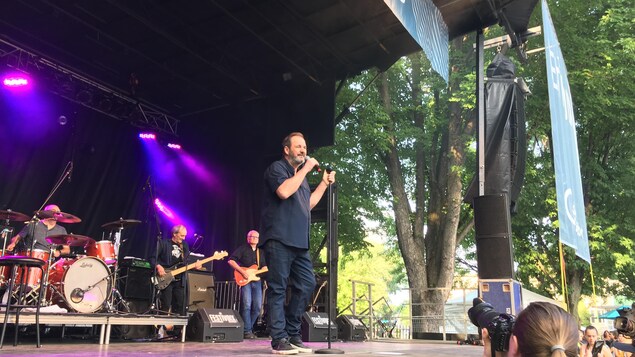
(296, 160)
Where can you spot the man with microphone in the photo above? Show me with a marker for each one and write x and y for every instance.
(285, 222)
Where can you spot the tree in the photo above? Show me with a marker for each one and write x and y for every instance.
(597, 42)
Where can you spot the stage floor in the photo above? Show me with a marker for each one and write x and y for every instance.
(258, 347)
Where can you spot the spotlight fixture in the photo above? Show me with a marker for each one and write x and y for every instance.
(14, 81)
(174, 146)
(147, 136)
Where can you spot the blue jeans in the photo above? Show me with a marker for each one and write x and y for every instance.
(293, 267)
(251, 299)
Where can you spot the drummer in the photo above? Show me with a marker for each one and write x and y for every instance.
(44, 228)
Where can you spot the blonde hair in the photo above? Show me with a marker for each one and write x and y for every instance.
(546, 330)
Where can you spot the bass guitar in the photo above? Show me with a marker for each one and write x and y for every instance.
(252, 275)
(162, 282)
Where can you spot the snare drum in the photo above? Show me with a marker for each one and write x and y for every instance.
(85, 284)
(104, 250)
(34, 275)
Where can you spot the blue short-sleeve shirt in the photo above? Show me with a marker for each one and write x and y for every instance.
(287, 220)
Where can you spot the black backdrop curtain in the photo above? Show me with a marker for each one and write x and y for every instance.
(111, 169)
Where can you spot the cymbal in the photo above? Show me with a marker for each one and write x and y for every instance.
(13, 216)
(61, 217)
(120, 223)
(73, 240)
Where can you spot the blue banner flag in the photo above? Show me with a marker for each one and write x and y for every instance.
(425, 24)
(573, 231)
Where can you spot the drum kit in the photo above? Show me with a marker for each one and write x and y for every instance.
(83, 283)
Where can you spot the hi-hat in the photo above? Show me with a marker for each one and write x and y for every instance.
(121, 223)
(13, 216)
(61, 217)
(73, 240)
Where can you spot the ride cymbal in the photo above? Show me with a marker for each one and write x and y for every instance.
(13, 216)
(121, 223)
(60, 217)
(73, 240)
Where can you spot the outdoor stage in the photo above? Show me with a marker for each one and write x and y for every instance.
(258, 347)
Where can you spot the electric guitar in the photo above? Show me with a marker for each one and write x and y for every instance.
(162, 282)
(252, 275)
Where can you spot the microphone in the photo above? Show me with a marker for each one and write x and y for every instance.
(316, 167)
(77, 295)
(147, 184)
(198, 236)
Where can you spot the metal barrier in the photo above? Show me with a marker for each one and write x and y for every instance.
(386, 320)
(227, 295)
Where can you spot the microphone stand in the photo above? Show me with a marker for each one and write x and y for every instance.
(329, 219)
(67, 172)
(155, 292)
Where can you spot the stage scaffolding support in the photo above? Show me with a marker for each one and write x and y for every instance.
(81, 89)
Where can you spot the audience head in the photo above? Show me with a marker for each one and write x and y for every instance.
(543, 329)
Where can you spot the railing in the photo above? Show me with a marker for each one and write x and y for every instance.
(395, 320)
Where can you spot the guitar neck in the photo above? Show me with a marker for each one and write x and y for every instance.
(193, 265)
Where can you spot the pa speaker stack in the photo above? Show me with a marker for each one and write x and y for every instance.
(315, 327)
(215, 325)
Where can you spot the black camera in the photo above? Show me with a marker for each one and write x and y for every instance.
(625, 323)
(498, 325)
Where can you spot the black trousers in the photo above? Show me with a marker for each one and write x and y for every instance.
(173, 297)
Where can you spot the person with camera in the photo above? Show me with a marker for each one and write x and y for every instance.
(542, 329)
(593, 347)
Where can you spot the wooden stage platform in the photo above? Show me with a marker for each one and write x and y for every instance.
(251, 348)
(89, 335)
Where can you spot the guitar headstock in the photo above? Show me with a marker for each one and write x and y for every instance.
(219, 255)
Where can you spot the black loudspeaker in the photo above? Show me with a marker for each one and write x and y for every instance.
(492, 224)
(135, 282)
(315, 327)
(350, 328)
(202, 292)
(215, 325)
(133, 332)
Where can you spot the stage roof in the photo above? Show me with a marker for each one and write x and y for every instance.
(191, 57)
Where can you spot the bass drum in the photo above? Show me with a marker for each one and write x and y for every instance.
(85, 284)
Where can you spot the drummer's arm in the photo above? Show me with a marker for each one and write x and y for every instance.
(13, 242)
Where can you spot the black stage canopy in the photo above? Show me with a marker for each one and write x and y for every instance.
(236, 75)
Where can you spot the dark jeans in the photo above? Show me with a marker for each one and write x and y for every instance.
(293, 267)
(251, 300)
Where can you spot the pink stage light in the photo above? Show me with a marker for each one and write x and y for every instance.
(163, 209)
(174, 146)
(147, 136)
(15, 82)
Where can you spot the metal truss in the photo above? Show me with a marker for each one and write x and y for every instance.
(87, 92)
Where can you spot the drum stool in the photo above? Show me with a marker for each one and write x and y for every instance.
(20, 262)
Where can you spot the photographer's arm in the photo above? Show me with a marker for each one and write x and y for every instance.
(487, 346)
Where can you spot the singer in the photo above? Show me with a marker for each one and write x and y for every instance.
(285, 221)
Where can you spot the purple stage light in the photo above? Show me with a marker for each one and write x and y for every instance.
(13, 82)
(163, 209)
(174, 146)
(148, 136)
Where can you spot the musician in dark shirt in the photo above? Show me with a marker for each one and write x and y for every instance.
(172, 253)
(245, 259)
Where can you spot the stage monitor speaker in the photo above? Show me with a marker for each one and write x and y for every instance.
(135, 282)
(492, 225)
(202, 292)
(215, 325)
(350, 328)
(315, 327)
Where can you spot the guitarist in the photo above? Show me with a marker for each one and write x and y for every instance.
(172, 253)
(243, 260)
